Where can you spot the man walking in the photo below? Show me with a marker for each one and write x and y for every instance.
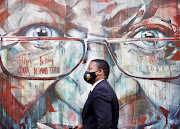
(101, 110)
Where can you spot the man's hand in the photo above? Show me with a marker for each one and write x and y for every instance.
(78, 127)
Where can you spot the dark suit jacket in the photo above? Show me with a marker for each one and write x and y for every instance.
(101, 110)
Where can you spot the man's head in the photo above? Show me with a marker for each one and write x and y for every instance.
(102, 65)
(97, 69)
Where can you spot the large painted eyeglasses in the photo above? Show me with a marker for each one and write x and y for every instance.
(40, 58)
(151, 58)
(53, 57)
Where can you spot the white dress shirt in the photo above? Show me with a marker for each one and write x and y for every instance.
(95, 84)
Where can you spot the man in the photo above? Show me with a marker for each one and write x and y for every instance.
(101, 110)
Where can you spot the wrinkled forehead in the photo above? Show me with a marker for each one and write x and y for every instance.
(100, 15)
(15, 14)
(94, 15)
(42, 2)
(164, 9)
(12, 5)
(107, 8)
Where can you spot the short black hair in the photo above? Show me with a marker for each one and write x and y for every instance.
(102, 64)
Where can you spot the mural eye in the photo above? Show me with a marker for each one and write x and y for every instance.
(40, 31)
(150, 44)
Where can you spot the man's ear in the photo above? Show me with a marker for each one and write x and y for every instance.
(100, 72)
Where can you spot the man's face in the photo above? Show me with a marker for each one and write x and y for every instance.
(23, 18)
(31, 19)
(144, 58)
(92, 67)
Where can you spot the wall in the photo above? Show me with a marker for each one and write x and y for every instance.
(41, 73)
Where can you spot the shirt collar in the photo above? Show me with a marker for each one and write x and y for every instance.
(95, 84)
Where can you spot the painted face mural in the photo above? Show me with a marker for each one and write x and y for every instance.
(46, 46)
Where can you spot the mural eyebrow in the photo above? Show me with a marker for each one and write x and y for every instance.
(51, 5)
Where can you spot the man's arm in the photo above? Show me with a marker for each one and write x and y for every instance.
(103, 112)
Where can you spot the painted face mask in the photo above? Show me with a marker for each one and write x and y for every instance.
(89, 76)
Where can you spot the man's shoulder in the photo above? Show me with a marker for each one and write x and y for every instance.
(104, 91)
(103, 82)
(104, 87)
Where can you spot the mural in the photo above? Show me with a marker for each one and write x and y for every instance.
(46, 46)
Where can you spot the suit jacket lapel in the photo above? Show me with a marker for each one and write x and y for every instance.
(87, 101)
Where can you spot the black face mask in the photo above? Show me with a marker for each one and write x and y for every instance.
(89, 76)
